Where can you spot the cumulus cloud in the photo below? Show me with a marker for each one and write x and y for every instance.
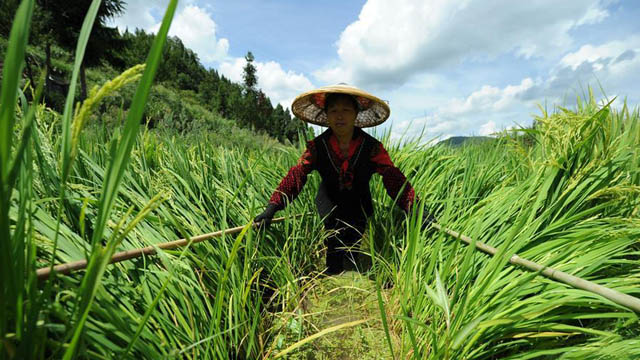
(614, 50)
(391, 41)
(192, 24)
(489, 98)
(613, 65)
(138, 14)
(197, 30)
(279, 85)
(488, 128)
(483, 112)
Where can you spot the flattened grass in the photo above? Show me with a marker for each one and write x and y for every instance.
(569, 201)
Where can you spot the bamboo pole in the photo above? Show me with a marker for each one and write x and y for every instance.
(43, 273)
(625, 300)
(617, 297)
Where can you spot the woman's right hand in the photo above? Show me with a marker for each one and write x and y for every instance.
(264, 220)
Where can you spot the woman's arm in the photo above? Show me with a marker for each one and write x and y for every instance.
(291, 185)
(392, 178)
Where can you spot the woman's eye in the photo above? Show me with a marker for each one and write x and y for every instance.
(343, 111)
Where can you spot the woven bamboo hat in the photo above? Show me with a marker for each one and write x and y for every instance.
(309, 106)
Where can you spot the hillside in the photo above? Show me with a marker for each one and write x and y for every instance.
(186, 98)
(464, 140)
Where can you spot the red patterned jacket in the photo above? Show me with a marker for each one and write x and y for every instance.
(379, 161)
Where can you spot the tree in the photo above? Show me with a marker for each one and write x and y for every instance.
(262, 116)
(278, 122)
(207, 88)
(179, 65)
(249, 76)
(138, 43)
(7, 12)
(60, 21)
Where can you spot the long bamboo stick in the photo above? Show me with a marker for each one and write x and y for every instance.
(617, 297)
(43, 273)
(625, 300)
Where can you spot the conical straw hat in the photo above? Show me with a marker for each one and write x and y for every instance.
(309, 106)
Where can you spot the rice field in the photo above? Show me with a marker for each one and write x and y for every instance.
(564, 193)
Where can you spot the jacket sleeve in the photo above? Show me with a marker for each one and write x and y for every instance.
(392, 178)
(291, 185)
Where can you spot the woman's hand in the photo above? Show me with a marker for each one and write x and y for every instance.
(264, 220)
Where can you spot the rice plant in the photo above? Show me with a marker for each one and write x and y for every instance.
(568, 201)
(87, 192)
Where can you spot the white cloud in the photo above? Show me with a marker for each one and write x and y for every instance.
(489, 98)
(391, 41)
(279, 85)
(232, 69)
(191, 23)
(483, 112)
(197, 30)
(488, 128)
(138, 14)
(593, 15)
(613, 65)
(590, 53)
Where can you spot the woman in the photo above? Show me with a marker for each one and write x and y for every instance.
(346, 157)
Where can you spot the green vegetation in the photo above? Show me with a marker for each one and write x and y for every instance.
(91, 181)
(186, 97)
(345, 307)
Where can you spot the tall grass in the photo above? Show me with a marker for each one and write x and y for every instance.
(568, 200)
(212, 305)
(203, 302)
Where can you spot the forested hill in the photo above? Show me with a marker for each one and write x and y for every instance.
(186, 95)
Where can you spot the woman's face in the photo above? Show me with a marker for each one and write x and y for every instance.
(341, 116)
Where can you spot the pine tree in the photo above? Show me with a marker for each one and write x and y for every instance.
(278, 123)
(249, 76)
(60, 21)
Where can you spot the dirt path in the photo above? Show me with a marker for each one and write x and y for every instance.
(337, 302)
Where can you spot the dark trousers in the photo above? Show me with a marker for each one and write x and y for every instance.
(346, 223)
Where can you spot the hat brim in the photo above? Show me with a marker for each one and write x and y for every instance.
(309, 106)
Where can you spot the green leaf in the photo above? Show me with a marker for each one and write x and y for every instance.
(11, 74)
(100, 257)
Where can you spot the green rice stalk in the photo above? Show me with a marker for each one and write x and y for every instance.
(11, 294)
(120, 152)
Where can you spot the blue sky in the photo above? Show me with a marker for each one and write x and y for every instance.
(469, 67)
